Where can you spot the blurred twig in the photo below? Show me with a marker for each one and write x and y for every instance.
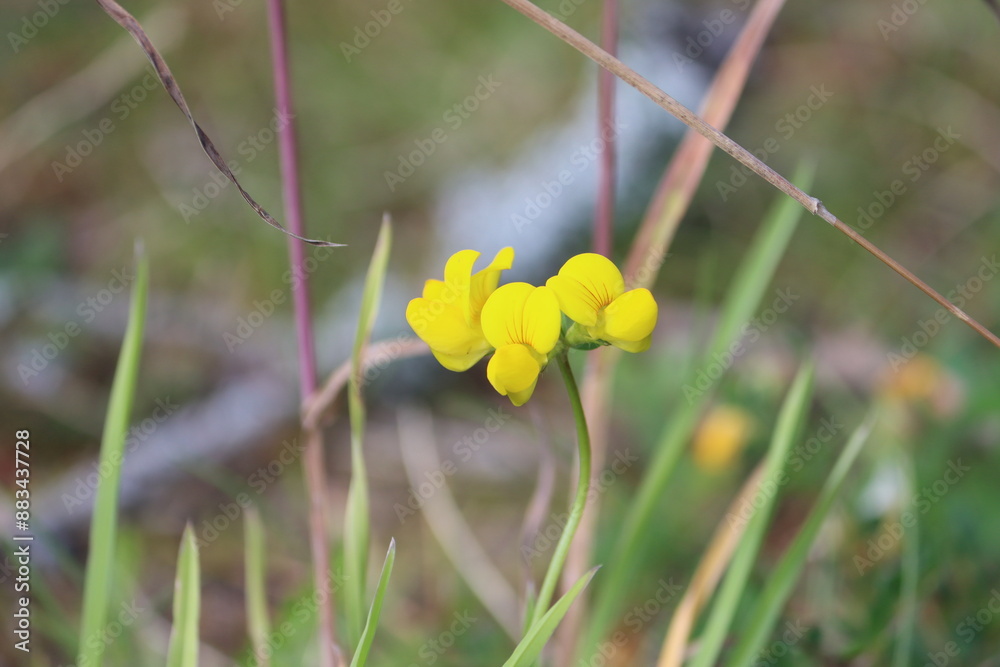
(745, 157)
(713, 563)
(605, 214)
(322, 400)
(459, 543)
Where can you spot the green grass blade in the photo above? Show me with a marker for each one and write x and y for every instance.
(183, 651)
(258, 622)
(782, 580)
(743, 298)
(356, 520)
(104, 524)
(790, 419)
(911, 575)
(371, 625)
(528, 650)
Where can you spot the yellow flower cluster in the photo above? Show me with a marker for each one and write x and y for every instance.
(465, 316)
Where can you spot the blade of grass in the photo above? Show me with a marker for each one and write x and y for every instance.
(790, 420)
(356, 520)
(744, 296)
(371, 624)
(104, 524)
(255, 558)
(782, 579)
(911, 575)
(183, 651)
(528, 650)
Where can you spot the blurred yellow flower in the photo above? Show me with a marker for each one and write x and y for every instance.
(721, 437)
(591, 291)
(447, 316)
(915, 380)
(523, 323)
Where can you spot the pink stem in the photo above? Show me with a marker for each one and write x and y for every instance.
(604, 220)
(313, 456)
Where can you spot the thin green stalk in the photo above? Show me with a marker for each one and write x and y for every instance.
(911, 576)
(579, 501)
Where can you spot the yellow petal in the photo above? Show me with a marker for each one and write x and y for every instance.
(443, 327)
(503, 314)
(513, 371)
(461, 362)
(542, 321)
(631, 317)
(458, 276)
(519, 313)
(485, 281)
(632, 346)
(437, 289)
(585, 284)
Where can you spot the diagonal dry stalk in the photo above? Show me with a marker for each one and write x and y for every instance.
(169, 83)
(449, 526)
(710, 568)
(673, 196)
(692, 120)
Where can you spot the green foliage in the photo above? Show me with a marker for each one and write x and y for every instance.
(184, 642)
(104, 525)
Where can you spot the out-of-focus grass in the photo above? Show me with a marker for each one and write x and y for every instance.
(889, 98)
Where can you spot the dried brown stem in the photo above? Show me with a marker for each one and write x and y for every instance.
(745, 157)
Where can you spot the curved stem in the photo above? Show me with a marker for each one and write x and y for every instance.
(579, 499)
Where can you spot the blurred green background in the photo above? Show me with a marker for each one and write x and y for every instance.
(891, 94)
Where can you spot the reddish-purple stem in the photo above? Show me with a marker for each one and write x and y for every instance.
(605, 214)
(292, 196)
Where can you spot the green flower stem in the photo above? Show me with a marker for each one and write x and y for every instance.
(579, 501)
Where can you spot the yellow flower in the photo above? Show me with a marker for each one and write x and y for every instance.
(591, 291)
(447, 316)
(523, 323)
(721, 437)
